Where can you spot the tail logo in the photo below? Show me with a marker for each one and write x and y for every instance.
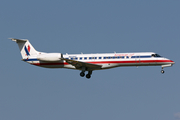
(27, 50)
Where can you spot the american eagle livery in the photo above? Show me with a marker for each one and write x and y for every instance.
(89, 62)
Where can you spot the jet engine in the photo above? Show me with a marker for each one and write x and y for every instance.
(50, 57)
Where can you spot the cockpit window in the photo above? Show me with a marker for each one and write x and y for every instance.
(158, 55)
(155, 55)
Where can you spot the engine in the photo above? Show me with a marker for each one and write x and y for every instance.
(50, 57)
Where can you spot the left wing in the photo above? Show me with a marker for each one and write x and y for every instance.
(79, 64)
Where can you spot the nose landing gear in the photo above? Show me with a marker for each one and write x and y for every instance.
(162, 71)
(166, 65)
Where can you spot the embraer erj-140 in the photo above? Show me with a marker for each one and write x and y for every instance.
(89, 62)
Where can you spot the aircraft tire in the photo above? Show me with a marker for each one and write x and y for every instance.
(88, 76)
(162, 71)
(82, 74)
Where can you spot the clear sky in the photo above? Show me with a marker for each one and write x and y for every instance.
(90, 26)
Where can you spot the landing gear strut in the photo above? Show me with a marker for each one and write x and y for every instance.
(82, 74)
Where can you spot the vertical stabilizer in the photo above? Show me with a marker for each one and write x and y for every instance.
(26, 49)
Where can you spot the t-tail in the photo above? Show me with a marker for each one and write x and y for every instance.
(26, 49)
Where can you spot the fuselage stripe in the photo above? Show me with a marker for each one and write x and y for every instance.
(109, 62)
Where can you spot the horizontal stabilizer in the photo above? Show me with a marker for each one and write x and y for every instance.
(18, 40)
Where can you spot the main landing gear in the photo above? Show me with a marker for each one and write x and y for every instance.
(84, 69)
(82, 74)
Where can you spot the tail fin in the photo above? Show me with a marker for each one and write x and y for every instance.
(25, 47)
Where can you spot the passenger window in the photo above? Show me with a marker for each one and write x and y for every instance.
(99, 57)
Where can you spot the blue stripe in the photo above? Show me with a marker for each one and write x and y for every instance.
(26, 51)
(30, 59)
(145, 56)
(141, 57)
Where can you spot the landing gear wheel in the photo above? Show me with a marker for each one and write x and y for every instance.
(82, 74)
(162, 71)
(88, 76)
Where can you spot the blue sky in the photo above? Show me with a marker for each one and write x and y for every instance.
(98, 26)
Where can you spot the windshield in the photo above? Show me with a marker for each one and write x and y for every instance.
(156, 55)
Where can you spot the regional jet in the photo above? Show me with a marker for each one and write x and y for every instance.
(89, 62)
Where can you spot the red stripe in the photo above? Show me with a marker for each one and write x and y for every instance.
(114, 62)
(38, 64)
(29, 48)
(141, 61)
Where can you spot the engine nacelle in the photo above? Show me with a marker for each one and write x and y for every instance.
(50, 57)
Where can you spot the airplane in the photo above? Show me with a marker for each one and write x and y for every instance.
(89, 62)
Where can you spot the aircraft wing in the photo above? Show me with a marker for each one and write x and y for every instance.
(79, 64)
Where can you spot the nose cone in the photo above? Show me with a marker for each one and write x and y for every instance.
(172, 62)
